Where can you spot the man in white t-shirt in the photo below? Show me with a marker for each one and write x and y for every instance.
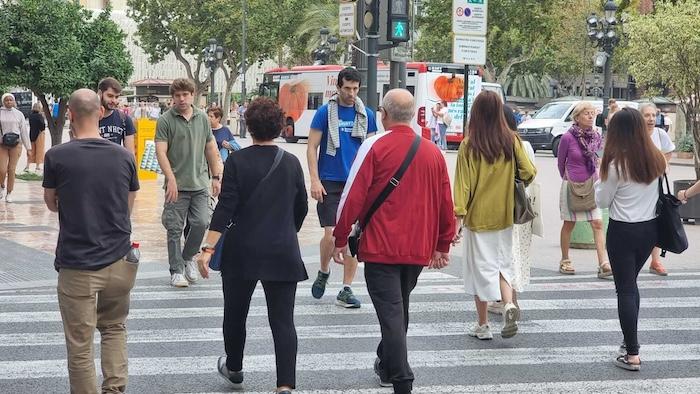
(666, 146)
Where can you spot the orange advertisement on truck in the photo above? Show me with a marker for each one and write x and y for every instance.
(301, 90)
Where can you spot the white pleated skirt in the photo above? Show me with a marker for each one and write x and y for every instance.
(486, 255)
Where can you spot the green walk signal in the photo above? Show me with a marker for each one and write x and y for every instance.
(399, 30)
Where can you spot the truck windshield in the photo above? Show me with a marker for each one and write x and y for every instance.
(552, 111)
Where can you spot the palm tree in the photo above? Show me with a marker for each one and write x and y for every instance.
(318, 15)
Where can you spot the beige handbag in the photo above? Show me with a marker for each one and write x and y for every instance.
(581, 195)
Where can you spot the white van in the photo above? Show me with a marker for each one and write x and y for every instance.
(548, 124)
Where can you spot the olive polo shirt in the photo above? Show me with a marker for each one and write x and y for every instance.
(187, 140)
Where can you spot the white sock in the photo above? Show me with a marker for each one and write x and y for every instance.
(325, 272)
(346, 285)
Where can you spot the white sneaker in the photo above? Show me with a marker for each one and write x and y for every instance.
(178, 280)
(482, 332)
(191, 271)
(511, 315)
(8, 198)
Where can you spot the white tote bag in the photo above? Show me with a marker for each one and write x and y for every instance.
(533, 192)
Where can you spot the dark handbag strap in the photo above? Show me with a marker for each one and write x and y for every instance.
(394, 181)
(661, 185)
(275, 163)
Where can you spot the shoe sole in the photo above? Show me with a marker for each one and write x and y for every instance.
(659, 273)
(511, 323)
(627, 367)
(346, 305)
(180, 285)
(488, 338)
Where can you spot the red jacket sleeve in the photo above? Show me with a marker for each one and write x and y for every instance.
(354, 195)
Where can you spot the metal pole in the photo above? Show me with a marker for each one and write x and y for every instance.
(372, 57)
(244, 49)
(212, 74)
(466, 105)
(394, 75)
(402, 75)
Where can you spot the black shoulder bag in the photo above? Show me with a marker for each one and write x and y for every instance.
(356, 233)
(672, 236)
(215, 261)
(10, 140)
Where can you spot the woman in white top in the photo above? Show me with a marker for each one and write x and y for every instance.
(628, 186)
(662, 141)
(11, 122)
(442, 125)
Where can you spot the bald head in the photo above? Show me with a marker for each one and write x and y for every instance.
(399, 106)
(85, 111)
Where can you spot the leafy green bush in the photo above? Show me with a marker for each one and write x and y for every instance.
(685, 143)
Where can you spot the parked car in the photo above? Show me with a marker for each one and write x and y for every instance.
(548, 124)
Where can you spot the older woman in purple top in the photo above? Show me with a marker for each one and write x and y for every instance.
(578, 162)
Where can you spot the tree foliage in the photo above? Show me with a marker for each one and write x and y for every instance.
(183, 29)
(664, 48)
(54, 47)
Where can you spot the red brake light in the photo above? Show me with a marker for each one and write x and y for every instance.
(421, 116)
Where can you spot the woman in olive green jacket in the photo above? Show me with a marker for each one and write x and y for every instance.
(484, 200)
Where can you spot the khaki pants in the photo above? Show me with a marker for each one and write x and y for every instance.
(8, 165)
(90, 299)
(38, 149)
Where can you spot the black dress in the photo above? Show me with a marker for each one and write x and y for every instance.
(263, 243)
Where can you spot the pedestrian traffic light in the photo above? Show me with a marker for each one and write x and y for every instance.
(397, 21)
(371, 17)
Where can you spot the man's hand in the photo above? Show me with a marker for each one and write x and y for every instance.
(171, 190)
(203, 264)
(317, 191)
(215, 187)
(339, 254)
(440, 260)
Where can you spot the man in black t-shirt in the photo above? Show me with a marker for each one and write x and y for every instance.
(92, 184)
(114, 124)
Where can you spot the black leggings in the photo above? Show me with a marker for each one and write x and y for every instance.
(629, 246)
(280, 313)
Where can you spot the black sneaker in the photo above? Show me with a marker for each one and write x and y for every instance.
(233, 377)
(379, 372)
(319, 286)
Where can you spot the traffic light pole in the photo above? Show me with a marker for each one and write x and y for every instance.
(372, 57)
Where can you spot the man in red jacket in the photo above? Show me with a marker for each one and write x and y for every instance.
(412, 229)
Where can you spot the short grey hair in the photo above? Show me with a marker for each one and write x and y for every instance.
(399, 112)
(84, 103)
(647, 104)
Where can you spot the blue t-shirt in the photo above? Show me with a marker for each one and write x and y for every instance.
(116, 126)
(337, 168)
(222, 134)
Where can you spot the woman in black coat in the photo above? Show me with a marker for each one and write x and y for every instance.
(261, 244)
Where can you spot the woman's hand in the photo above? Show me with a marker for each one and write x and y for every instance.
(203, 264)
(226, 145)
(458, 232)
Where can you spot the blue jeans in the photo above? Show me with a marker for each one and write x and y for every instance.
(442, 143)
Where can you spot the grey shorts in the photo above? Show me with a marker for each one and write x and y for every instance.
(329, 207)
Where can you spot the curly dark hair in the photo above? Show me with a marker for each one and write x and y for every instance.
(264, 119)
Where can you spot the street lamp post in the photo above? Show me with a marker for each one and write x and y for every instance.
(603, 34)
(213, 54)
(327, 47)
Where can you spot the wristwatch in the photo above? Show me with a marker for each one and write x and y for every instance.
(206, 248)
(218, 178)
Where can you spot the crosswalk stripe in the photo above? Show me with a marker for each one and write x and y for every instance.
(678, 385)
(327, 308)
(149, 366)
(671, 276)
(363, 331)
(453, 287)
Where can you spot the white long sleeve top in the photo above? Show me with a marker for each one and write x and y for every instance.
(12, 121)
(628, 201)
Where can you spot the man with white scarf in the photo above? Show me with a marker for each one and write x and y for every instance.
(338, 129)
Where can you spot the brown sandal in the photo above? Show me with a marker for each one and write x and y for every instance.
(604, 273)
(566, 268)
